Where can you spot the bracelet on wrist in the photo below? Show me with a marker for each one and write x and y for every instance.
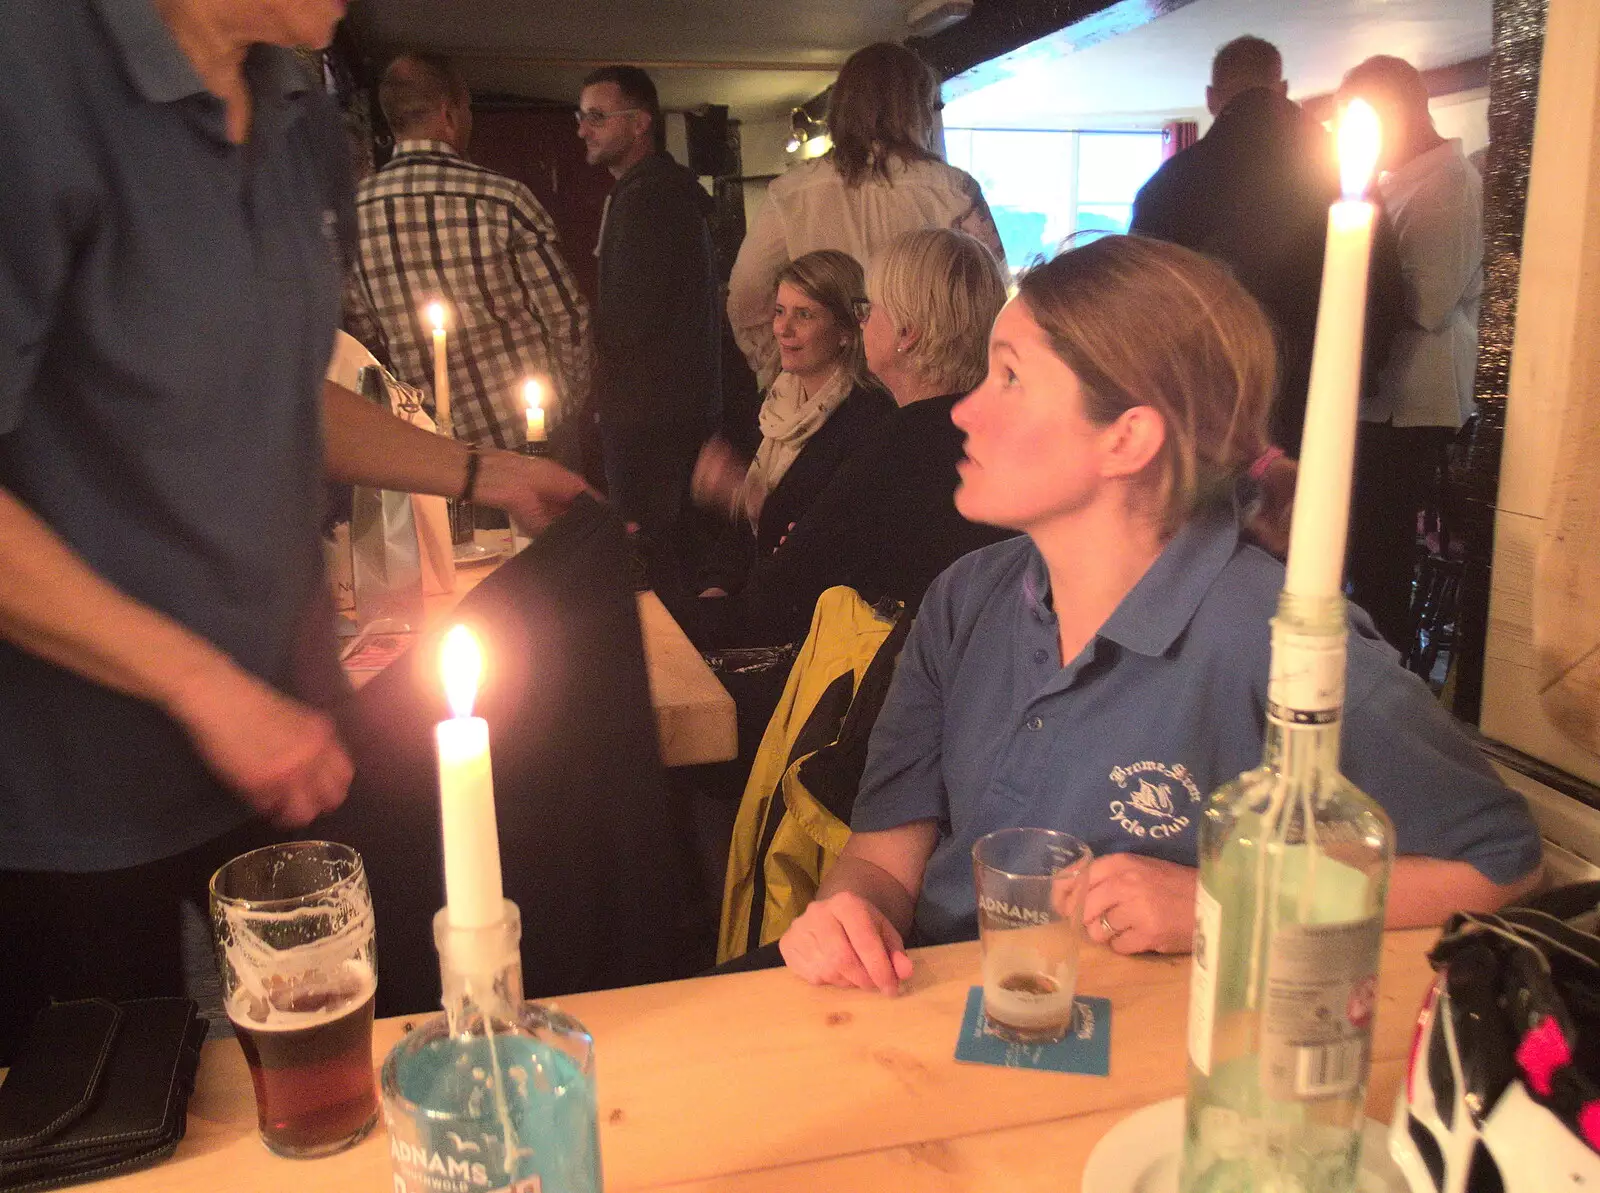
(469, 490)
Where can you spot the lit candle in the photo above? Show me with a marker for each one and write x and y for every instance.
(473, 893)
(533, 395)
(1322, 491)
(441, 367)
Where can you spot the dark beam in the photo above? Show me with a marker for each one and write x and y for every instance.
(1444, 80)
(997, 27)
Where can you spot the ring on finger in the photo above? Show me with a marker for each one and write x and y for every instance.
(1105, 926)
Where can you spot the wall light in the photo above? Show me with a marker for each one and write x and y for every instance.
(805, 135)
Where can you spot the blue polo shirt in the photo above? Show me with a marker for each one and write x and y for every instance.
(167, 307)
(984, 728)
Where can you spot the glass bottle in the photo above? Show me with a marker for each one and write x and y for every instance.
(496, 1093)
(1294, 872)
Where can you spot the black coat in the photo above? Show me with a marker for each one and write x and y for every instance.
(1254, 194)
(658, 324)
(885, 524)
(805, 480)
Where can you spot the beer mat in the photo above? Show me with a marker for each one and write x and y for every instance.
(1085, 1049)
(376, 651)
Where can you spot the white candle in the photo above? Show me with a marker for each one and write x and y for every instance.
(533, 395)
(473, 894)
(1322, 492)
(441, 367)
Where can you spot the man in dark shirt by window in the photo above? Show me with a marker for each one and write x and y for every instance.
(1254, 193)
(658, 385)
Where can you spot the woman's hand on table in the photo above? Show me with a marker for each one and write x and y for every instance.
(844, 940)
(533, 490)
(1140, 904)
(282, 757)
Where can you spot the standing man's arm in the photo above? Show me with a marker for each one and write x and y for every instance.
(1151, 216)
(978, 221)
(552, 295)
(367, 445)
(282, 757)
(360, 320)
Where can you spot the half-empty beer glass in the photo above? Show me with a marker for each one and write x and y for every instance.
(1031, 883)
(295, 948)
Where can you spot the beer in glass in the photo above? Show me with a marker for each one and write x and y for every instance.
(294, 931)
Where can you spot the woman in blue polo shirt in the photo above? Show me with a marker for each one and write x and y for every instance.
(1106, 671)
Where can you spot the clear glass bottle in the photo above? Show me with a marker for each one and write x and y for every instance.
(1294, 872)
(496, 1093)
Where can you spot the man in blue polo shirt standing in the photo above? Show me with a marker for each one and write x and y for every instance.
(170, 268)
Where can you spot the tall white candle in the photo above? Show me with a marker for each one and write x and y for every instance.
(1321, 517)
(441, 367)
(533, 396)
(473, 894)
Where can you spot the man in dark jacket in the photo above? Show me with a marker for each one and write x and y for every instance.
(657, 330)
(1254, 193)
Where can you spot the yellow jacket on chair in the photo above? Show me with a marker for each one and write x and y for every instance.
(794, 818)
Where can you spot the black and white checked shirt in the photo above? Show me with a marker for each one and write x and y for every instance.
(433, 226)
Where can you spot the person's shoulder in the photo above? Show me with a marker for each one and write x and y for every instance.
(51, 53)
(927, 422)
(868, 403)
(1175, 177)
(965, 590)
(1454, 173)
(931, 171)
(1232, 620)
(818, 172)
(660, 186)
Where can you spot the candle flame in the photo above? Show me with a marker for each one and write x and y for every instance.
(461, 664)
(436, 315)
(1360, 136)
(533, 393)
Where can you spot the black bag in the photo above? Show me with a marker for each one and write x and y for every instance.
(99, 1088)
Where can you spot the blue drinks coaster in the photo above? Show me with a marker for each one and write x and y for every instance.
(1085, 1049)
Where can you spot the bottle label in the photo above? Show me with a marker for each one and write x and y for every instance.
(1316, 1024)
(1306, 684)
(1203, 978)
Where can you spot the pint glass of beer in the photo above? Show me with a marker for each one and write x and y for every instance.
(294, 936)
(1031, 883)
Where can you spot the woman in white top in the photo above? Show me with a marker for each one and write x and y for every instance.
(879, 180)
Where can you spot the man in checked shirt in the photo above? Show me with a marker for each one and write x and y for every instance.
(433, 226)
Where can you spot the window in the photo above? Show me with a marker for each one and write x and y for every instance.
(1046, 186)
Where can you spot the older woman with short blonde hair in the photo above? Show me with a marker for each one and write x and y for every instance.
(936, 292)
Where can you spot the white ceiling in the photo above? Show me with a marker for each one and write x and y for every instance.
(760, 57)
(1160, 70)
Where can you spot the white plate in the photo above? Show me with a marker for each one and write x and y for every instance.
(468, 554)
(1140, 1155)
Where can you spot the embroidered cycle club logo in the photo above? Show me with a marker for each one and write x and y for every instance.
(1156, 800)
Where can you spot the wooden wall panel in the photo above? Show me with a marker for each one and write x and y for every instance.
(1545, 612)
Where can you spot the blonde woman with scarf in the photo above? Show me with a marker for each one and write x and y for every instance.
(885, 523)
(819, 406)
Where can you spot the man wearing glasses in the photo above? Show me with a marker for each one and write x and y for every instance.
(658, 381)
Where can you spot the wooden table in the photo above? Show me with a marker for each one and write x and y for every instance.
(695, 716)
(758, 1082)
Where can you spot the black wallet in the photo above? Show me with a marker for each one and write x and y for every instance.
(99, 1088)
